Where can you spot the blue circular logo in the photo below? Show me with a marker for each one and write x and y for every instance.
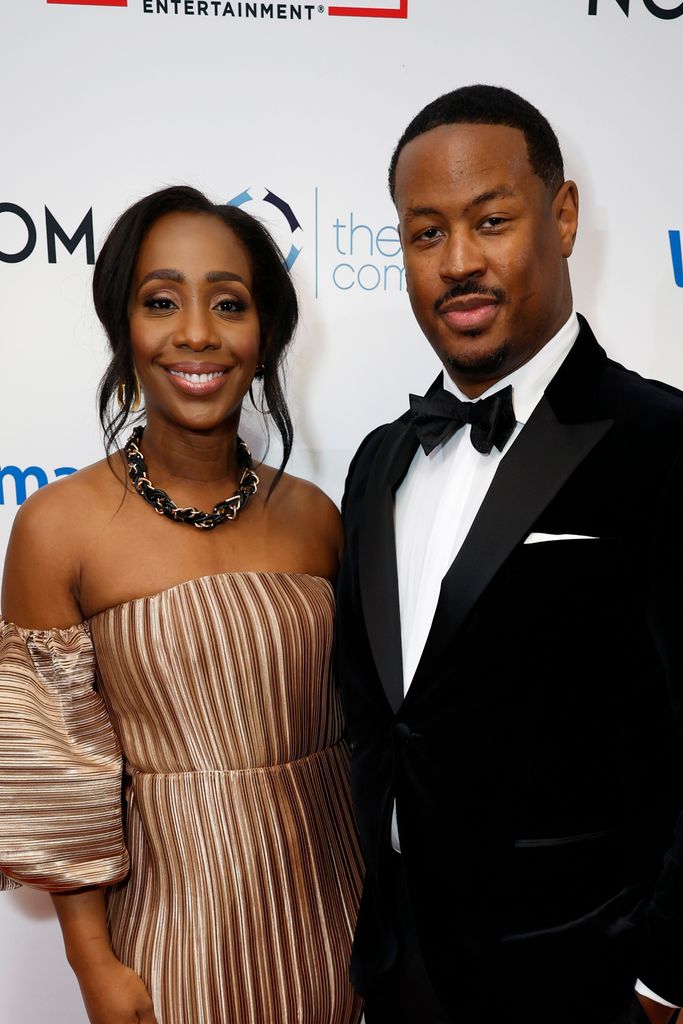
(293, 225)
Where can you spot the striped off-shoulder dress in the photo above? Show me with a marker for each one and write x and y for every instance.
(186, 751)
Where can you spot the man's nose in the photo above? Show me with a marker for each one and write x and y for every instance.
(462, 257)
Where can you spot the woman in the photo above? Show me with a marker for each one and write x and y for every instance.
(234, 897)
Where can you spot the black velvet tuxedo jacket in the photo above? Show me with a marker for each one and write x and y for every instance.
(536, 760)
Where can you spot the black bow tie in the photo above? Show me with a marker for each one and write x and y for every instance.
(436, 417)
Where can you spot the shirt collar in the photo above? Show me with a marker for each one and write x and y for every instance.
(530, 380)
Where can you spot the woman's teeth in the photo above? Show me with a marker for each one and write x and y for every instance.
(197, 378)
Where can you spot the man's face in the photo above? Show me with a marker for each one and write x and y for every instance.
(485, 246)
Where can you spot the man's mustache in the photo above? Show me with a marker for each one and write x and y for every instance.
(467, 290)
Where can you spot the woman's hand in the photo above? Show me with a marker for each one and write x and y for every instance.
(114, 994)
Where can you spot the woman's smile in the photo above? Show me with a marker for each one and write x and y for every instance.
(197, 378)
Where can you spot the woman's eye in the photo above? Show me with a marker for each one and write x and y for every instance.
(229, 306)
(154, 302)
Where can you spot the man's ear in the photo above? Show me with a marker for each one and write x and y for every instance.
(566, 214)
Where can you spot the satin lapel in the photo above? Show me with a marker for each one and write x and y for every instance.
(516, 498)
(377, 557)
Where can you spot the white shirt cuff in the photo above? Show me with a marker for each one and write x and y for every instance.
(643, 990)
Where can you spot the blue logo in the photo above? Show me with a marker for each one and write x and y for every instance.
(18, 480)
(676, 256)
(287, 213)
(356, 254)
(369, 254)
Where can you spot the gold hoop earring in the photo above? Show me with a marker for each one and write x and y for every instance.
(137, 395)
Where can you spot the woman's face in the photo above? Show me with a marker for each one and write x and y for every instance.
(194, 327)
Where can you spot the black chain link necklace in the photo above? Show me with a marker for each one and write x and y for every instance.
(228, 509)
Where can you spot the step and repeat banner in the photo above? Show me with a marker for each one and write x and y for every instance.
(292, 110)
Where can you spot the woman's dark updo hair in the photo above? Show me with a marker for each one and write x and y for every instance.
(273, 291)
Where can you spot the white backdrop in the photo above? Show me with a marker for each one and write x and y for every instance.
(103, 102)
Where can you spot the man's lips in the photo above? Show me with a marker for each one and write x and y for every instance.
(197, 378)
(466, 314)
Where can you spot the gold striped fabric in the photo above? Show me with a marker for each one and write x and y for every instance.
(60, 764)
(245, 874)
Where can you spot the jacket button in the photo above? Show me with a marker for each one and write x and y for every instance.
(403, 732)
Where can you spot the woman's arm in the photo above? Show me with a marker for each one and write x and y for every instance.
(112, 993)
(41, 578)
(40, 591)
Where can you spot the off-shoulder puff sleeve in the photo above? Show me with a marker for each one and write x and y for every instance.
(60, 765)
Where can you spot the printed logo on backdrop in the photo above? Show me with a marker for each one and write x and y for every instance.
(676, 251)
(91, 3)
(16, 483)
(293, 230)
(355, 253)
(391, 9)
(278, 11)
(20, 232)
(246, 9)
(658, 8)
(215, 8)
(352, 251)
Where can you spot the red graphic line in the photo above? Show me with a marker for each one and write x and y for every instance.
(91, 3)
(370, 12)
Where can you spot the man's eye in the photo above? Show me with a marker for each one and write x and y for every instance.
(493, 222)
(429, 234)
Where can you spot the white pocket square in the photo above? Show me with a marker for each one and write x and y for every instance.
(538, 538)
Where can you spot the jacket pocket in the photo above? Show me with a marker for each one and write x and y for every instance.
(583, 837)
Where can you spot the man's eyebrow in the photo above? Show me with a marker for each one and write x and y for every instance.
(484, 197)
(422, 211)
(487, 197)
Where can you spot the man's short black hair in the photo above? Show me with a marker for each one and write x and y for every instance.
(490, 104)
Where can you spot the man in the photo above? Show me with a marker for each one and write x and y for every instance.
(511, 618)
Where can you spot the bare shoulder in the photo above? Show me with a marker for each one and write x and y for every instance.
(44, 555)
(308, 502)
(295, 488)
(65, 505)
(310, 518)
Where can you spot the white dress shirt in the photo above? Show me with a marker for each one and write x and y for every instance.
(438, 500)
(441, 493)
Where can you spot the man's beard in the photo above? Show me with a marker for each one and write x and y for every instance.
(481, 365)
(478, 365)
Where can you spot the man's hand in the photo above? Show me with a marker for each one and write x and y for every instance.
(657, 1013)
